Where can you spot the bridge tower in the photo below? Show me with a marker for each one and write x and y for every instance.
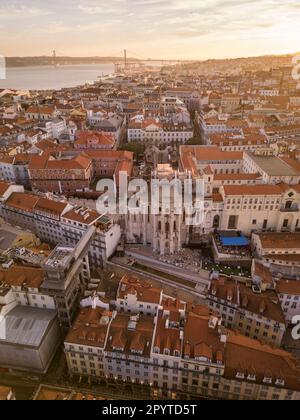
(54, 56)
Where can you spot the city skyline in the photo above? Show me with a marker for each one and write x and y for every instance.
(151, 28)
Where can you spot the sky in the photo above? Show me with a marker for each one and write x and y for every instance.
(162, 29)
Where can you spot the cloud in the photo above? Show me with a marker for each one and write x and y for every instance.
(10, 12)
(152, 27)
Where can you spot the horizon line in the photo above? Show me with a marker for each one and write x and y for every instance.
(161, 59)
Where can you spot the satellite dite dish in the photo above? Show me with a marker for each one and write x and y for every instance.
(2, 68)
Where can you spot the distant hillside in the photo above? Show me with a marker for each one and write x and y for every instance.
(48, 61)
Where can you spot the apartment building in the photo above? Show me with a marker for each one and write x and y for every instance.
(259, 207)
(106, 122)
(86, 341)
(63, 175)
(32, 333)
(159, 132)
(15, 169)
(249, 310)
(178, 353)
(289, 294)
(247, 140)
(67, 271)
(44, 113)
(229, 102)
(196, 159)
(58, 222)
(57, 285)
(78, 220)
(282, 132)
(190, 97)
(21, 286)
(54, 128)
(134, 296)
(279, 251)
(272, 169)
(108, 164)
(94, 140)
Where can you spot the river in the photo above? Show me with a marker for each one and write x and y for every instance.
(48, 77)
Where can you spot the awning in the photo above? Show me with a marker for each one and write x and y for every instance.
(235, 241)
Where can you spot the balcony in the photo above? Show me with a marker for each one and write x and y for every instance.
(292, 209)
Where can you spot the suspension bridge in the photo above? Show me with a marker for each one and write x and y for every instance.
(124, 61)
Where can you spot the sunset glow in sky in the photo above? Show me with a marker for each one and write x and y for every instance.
(188, 29)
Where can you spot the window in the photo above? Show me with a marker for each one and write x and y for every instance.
(232, 222)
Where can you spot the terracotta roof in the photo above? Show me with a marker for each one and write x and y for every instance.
(248, 356)
(3, 187)
(109, 155)
(273, 240)
(288, 287)
(48, 162)
(22, 201)
(200, 340)
(143, 290)
(210, 153)
(84, 215)
(236, 177)
(40, 110)
(294, 163)
(257, 190)
(217, 198)
(166, 337)
(92, 138)
(20, 275)
(131, 334)
(265, 304)
(90, 328)
(263, 272)
(44, 204)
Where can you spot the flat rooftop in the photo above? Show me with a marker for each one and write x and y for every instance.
(27, 326)
(7, 238)
(273, 166)
(60, 257)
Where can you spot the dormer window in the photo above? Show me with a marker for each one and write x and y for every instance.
(121, 349)
(156, 350)
(133, 351)
(280, 382)
(167, 352)
(251, 377)
(267, 380)
(240, 375)
(176, 353)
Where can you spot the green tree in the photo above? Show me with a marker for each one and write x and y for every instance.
(137, 148)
